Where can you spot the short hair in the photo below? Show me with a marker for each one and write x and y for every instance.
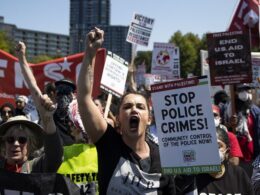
(220, 96)
(49, 87)
(135, 93)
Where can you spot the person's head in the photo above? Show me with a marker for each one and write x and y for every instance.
(50, 90)
(65, 90)
(19, 139)
(7, 111)
(221, 97)
(100, 104)
(243, 97)
(133, 115)
(65, 87)
(21, 101)
(223, 143)
(216, 113)
(244, 92)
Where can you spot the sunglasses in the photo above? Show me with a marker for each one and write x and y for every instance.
(12, 139)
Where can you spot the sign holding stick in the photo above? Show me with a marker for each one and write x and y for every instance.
(185, 124)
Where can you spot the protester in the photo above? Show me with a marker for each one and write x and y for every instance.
(101, 104)
(50, 90)
(20, 103)
(221, 99)
(230, 180)
(235, 151)
(127, 163)
(256, 175)
(21, 137)
(65, 94)
(245, 123)
(7, 111)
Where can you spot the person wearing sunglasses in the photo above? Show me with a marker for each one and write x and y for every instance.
(7, 111)
(20, 137)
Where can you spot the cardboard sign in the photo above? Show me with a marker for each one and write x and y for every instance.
(140, 30)
(229, 58)
(256, 68)
(114, 75)
(185, 126)
(166, 61)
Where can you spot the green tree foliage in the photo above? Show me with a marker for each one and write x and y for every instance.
(41, 58)
(5, 43)
(190, 45)
(144, 57)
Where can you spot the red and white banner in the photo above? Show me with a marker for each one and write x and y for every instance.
(13, 82)
(246, 19)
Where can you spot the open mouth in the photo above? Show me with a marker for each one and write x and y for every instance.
(134, 122)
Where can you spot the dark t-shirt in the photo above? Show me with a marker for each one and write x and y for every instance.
(120, 169)
(65, 136)
(234, 182)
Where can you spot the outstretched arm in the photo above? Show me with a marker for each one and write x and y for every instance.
(45, 106)
(52, 144)
(92, 119)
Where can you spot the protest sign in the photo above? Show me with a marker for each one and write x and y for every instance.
(256, 68)
(30, 110)
(150, 79)
(185, 126)
(205, 71)
(13, 82)
(140, 30)
(114, 75)
(166, 61)
(229, 58)
(36, 183)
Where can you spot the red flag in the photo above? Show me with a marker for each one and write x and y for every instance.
(13, 82)
(246, 19)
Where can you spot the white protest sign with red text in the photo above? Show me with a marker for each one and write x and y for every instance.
(185, 126)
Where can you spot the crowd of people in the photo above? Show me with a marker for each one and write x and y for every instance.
(120, 151)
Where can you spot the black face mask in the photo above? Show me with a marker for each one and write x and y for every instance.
(63, 102)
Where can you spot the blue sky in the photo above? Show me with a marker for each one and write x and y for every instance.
(196, 16)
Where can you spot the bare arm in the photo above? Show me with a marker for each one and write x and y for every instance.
(131, 79)
(92, 119)
(42, 102)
